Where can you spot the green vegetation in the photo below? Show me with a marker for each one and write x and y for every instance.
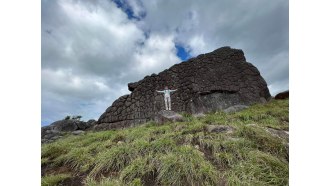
(181, 153)
(51, 180)
(73, 117)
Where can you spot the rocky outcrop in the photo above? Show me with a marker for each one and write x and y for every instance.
(282, 95)
(208, 82)
(59, 128)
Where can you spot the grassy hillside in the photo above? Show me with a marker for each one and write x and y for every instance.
(182, 153)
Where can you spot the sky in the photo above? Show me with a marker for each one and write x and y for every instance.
(91, 49)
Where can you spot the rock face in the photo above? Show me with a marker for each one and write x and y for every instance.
(208, 82)
(282, 95)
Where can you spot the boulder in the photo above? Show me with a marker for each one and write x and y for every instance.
(199, 115)
(282, 95)
(82, 125)
(55, 130)
(91, 122)
(278, 133)
(235, 108)
(78, 132)
(167, 116)
(55, 137)
(49, 136)
(65, 125)
(206, 83)
(219, 129)
(86, 125)
(45, 130)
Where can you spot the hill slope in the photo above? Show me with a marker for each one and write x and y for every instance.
(253, 152)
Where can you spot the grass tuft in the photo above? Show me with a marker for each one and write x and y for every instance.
(89, 181)
(185, 166)
(141, 168)
(52, 180)
(114, 159)
(259, 169)
(263, 140)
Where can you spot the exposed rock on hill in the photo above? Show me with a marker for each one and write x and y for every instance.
(167, 116)
(208, 82)
(282, 95)
(57, 129)
(235, 108)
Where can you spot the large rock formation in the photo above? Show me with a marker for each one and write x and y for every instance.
(208, 82)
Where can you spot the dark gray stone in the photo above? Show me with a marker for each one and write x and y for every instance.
(45, 130)
(208, 82)
(167, 116)
(49, 136)
(82, 125)
(65, 125)
(86, 125)
(78, 132)
(235, 108)
(278, 133)
(199, 115)
(55, 138)
(91, 122)
(282, 95)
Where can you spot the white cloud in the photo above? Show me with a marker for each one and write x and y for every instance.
(137, 8)
(91, 49)
(157, 54)
(197, 45)
(64, 82)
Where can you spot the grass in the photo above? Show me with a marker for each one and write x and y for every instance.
(181, 153)
(51, 180)
(186, 165)
(259, 169)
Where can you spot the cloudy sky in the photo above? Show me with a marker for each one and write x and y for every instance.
(91, 49)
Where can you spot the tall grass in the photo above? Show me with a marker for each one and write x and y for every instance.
(181, 153)
(52, 180)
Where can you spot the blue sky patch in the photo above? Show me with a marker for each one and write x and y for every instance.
(182, 53)
(44, 123)
(128, 10)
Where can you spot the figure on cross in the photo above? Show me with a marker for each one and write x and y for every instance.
(167, 97)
